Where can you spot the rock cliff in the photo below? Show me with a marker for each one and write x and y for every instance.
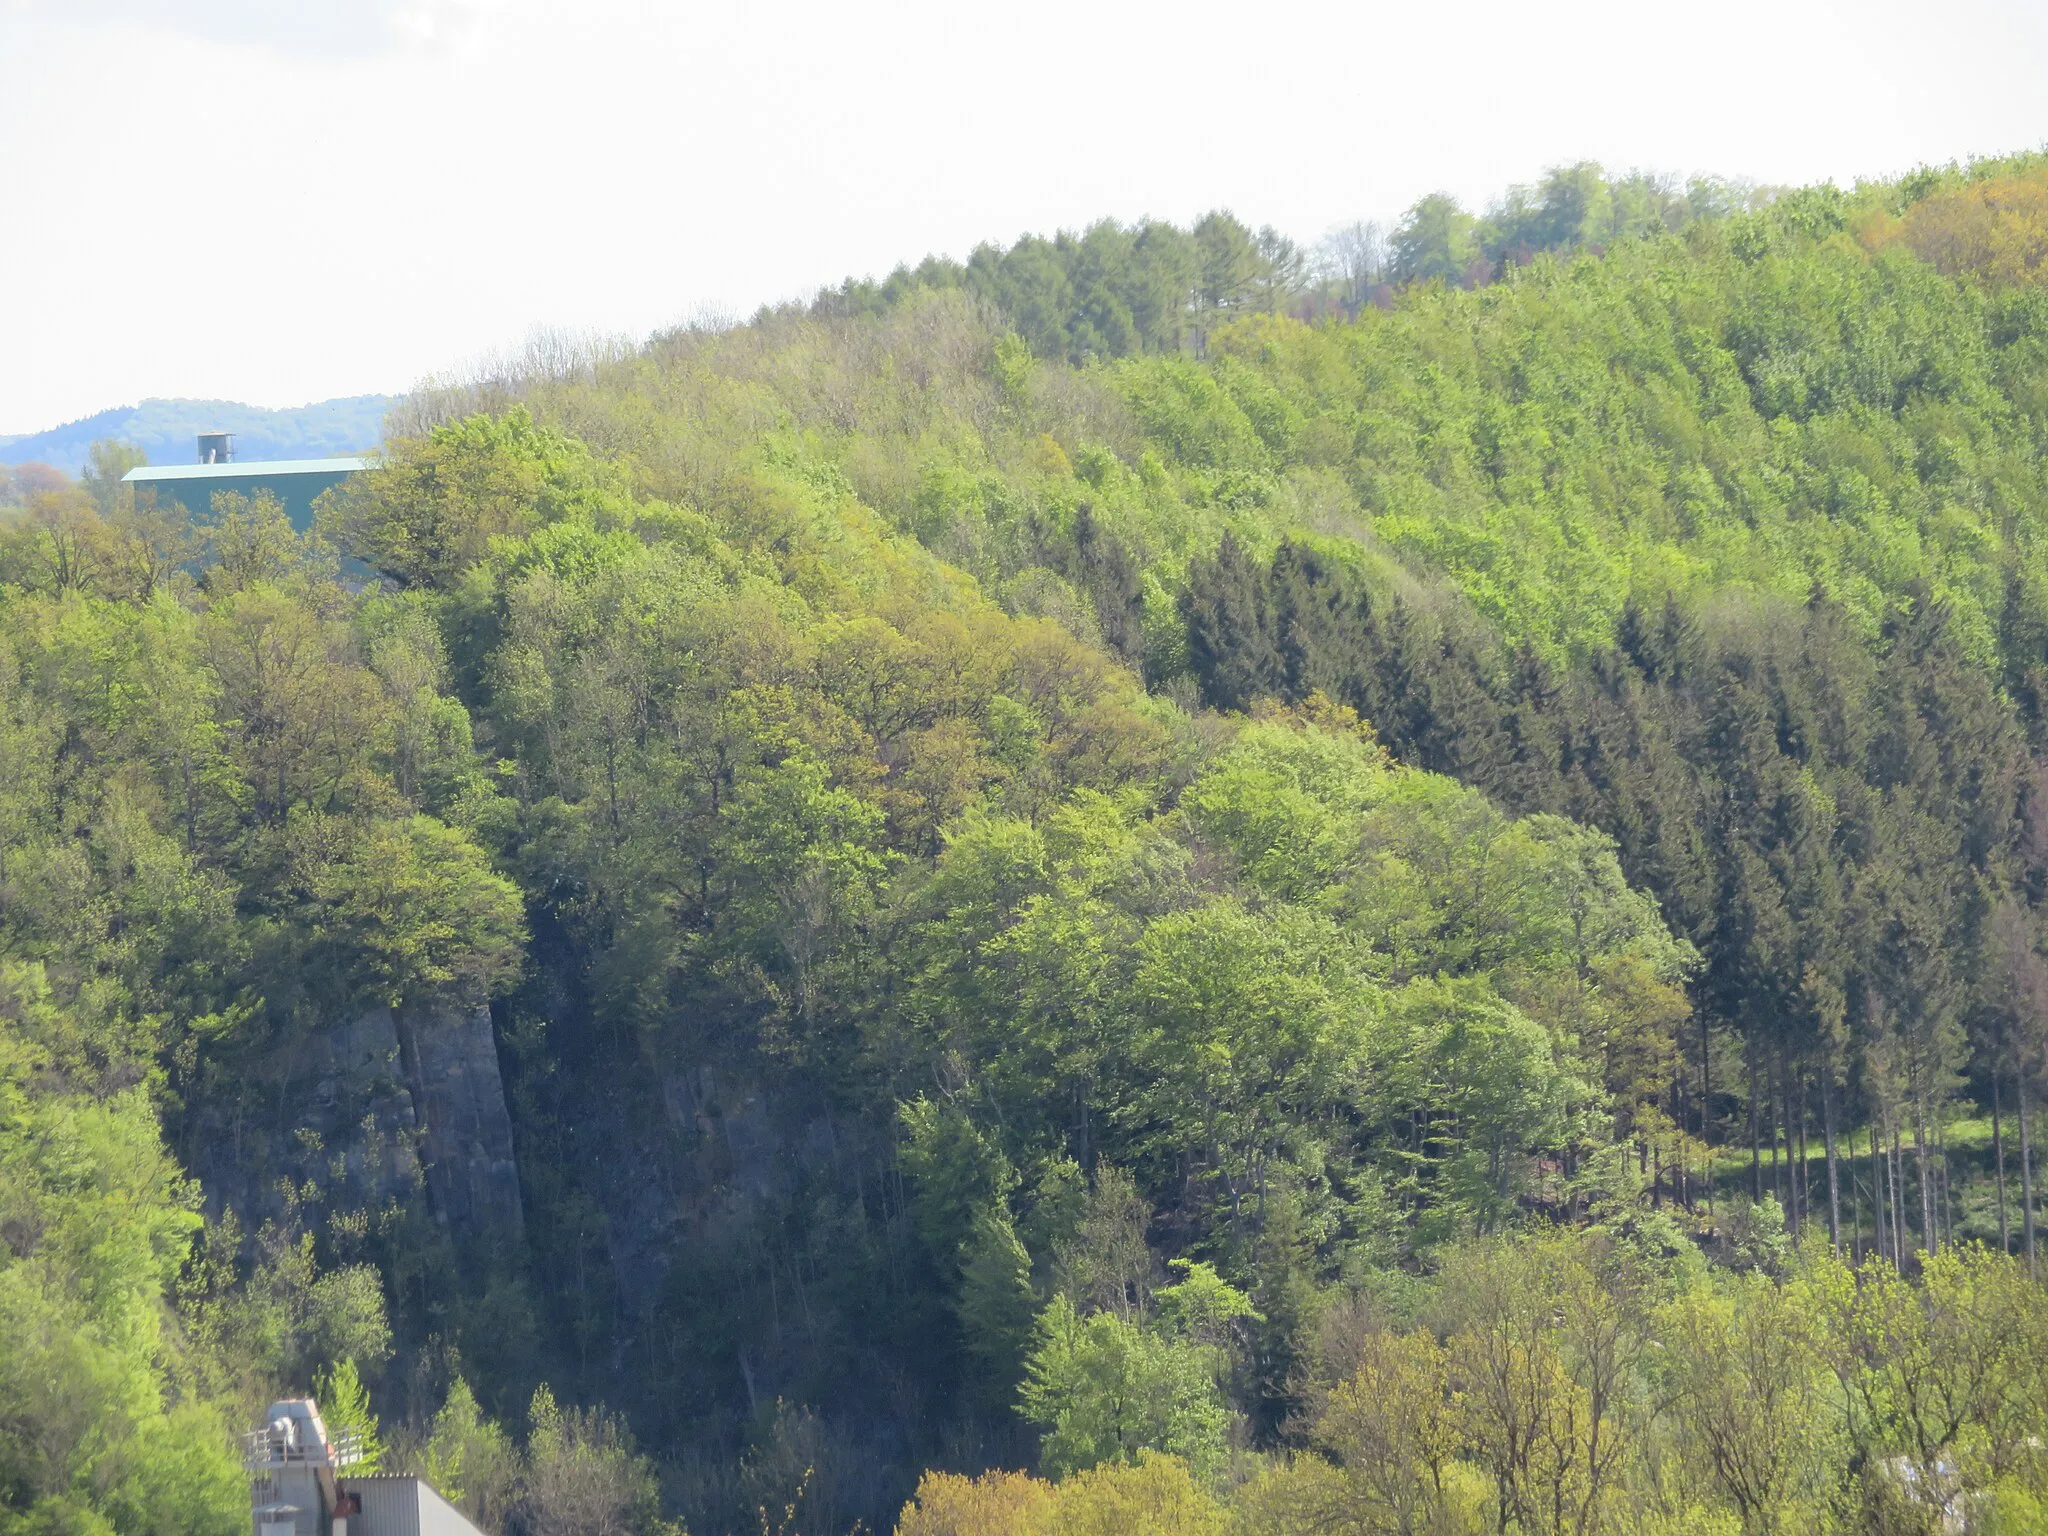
(388, 1107)
(465, 1133)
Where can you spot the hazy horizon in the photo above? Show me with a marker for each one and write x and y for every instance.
(253, 206)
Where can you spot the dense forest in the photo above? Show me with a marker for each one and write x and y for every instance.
(1155, 882)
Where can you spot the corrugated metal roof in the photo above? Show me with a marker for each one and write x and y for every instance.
(236, 470)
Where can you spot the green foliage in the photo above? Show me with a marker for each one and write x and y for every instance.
(997, 1302)
(1094, 817)
(1201, 1305)
(107, 459)
(1435, 243)
(470, 1460)
(1109, 291)
(251, 543)
(287, 1317)
(1156, 1495)
(345, 1408)
(1107, 1388)
(415, 906)
(1493, 1074)
(57, 1516)
(97, 1427)
(959, 1175)
(583, 1474)
(433, 507)
(1751, 1383)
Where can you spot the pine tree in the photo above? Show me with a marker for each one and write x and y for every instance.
(345, 1407)
(996, 1304)
(1231, 645)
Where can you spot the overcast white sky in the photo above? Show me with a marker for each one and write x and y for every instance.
(284, 200)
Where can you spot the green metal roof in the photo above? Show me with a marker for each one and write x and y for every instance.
(244, 469)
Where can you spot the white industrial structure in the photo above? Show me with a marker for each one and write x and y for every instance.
(300, 1485)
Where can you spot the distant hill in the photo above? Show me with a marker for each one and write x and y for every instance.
(165, 428)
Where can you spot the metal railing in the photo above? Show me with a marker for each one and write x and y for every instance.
(265, 1448)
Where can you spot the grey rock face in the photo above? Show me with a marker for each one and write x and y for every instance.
(389, 1107)
(451, 1067)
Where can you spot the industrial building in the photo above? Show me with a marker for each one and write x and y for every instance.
(301, 1484)
(296, 483)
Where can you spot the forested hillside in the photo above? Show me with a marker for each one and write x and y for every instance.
(1140, 884)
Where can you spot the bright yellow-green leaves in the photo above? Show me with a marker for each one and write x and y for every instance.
(1107, 1388)
(1155, 1495)
(345, 1409)
(1748, 1369)
(95, 1223)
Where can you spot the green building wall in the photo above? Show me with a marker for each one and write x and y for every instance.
(295, 483)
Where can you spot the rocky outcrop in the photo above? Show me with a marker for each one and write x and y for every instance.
(393, 1106)
(465, 1141)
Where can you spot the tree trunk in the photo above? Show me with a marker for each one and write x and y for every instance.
(2026, 1166)
(1756, 1167)
(1827, 1128)
(1877, 1197)
(1775, 1083)
(1895, 1172)
(1678, 1189)
(1855, 1208)
(1897, 1212)
(1998, 1151)
(1948, 1211)
(1706, 1106)
(1929, 1239)
(1805, 1184)
(1682, 1193)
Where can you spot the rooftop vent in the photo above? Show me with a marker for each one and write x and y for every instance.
(216, 447)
